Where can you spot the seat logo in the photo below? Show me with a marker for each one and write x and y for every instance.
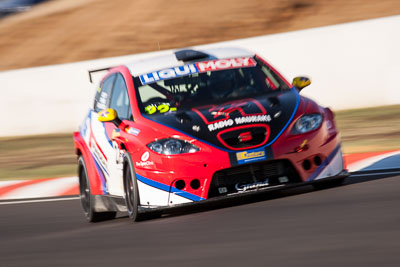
(246, 136)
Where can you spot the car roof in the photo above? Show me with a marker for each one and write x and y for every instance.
(169, 60)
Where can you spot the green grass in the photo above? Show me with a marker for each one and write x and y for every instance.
(43, 156)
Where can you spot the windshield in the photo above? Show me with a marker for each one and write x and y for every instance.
(204, 83)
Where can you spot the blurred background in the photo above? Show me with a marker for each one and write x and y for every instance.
(8, 7)
(39, 33)
(60, 31)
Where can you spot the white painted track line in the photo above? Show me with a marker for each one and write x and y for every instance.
(36, 200)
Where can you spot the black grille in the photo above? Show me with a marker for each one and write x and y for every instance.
(251, 176)
(233, 139)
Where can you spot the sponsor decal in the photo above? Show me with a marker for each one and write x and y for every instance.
(101, 103)
(99, 155)
(253, 119)
(144, 163)
(251, 155)
(223, 64)
(168, 73)
(220, 125)
(131, 130)
(219, 117)
(100, 106)
(245, 187)
(145, 156)
(238, 121)
(162, 108)
(211, 65)
(145, 160)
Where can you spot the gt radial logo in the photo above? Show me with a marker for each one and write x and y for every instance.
(250, 156)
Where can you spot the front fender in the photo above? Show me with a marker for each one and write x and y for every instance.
(95, 181)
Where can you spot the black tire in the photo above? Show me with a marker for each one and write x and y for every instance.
(131, 192)
(328, 184)
(87, 199)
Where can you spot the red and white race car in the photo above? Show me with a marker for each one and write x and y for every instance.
(194, 126)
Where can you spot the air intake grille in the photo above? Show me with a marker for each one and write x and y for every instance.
(252, 137)
(252, 176)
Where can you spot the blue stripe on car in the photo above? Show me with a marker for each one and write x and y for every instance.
(167, 188)
(100, 172)
(291, 117)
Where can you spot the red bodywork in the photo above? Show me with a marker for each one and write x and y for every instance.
(203, 164)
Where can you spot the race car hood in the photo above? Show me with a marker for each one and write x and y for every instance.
(236, 125)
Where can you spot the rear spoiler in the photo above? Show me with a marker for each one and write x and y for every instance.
(97, 70)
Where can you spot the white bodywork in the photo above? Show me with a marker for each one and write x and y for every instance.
(333, 168)
(167, 61)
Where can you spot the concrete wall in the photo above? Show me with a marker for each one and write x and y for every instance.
(351, 65)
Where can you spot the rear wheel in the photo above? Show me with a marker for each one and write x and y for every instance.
(87, 198)
(131, 189)
(328, 184)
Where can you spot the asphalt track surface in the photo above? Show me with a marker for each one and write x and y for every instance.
(357, 224)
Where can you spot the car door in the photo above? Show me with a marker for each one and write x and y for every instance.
(120, 103)
(111, 94)
(100, 143)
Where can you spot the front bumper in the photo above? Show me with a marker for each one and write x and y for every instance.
(236, 197)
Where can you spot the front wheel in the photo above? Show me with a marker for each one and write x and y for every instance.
(86, 197)
(131, 189)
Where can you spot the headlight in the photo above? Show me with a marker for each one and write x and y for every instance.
(171, 146)
(307, 123)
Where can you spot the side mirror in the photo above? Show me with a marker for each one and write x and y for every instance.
(301, 82)
(109, 115)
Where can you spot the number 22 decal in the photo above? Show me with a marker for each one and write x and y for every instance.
(163, 108)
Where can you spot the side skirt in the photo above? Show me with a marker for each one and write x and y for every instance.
(103, 203)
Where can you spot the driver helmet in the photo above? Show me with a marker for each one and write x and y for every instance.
(221, 83)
